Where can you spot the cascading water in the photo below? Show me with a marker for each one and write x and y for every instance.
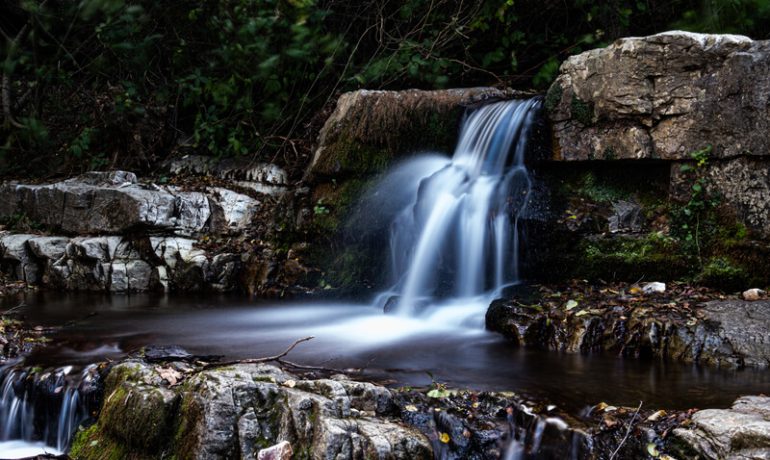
(40, 410)
(458, 237)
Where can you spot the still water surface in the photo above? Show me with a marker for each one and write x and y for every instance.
(448, 341)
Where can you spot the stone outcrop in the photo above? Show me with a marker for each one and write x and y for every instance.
(370, 129)
(236, 411)
(729, 333)
(103, 203)
(741, 432)
(118, 263)
(107, 231)
(663, 97)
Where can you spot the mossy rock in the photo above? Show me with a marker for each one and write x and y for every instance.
(136, 417)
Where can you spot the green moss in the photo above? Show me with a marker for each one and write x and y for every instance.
(553, 97)
(582, 111)
(600, 191)
(609, 154)
(722, 273)
(92, 444)
(630, 258)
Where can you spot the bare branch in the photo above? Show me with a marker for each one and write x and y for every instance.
(628, 432)
(276, 358)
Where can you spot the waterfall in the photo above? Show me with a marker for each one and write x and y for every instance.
(458, 237)
(44, 407)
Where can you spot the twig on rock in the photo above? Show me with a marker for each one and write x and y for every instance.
(628, 432)
(266, 359)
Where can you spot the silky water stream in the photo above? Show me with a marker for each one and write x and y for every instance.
(454, 246)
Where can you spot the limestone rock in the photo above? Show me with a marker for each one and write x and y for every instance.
(741, 432)
(231, 210)
(663, 97)
(368, 129)
(266, 178)
(84, 205)
(15, 251)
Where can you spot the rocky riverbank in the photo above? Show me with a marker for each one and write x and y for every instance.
(173, 405)
(679, 322)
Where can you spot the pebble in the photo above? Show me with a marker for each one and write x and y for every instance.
(753, 294)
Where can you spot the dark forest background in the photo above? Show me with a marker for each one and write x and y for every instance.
(93, 84)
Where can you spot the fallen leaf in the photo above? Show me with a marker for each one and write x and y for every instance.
(410, 408)
(656, 416)
(652, 449)
(571, 304)
(444, 437)
(168, 374)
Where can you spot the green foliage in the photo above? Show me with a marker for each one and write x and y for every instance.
(722, 273)
(98, 83)
(694, 222)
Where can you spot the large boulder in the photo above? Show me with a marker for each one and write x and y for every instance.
(663, 97)
(237, 411)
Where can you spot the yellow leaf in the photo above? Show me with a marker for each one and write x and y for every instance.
(443, 437)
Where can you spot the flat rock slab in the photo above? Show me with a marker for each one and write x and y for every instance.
(739, 433)
(115, 203)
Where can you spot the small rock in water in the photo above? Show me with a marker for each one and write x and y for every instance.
(280, 451)
(654, 288)
(753, 294)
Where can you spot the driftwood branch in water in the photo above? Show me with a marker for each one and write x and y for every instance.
(628, 431)
(267, 359)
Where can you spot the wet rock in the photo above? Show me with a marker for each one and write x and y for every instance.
(280, 451)
(753, 294)
(243, 410)
(662, 97)
(720, 333)
(741, 432)
(161, 353)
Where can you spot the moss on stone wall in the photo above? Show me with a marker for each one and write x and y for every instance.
(621, 257)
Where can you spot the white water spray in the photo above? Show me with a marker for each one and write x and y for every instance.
(458, 237)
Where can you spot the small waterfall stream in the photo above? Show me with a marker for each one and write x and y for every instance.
(42, 409)
(458, 237)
